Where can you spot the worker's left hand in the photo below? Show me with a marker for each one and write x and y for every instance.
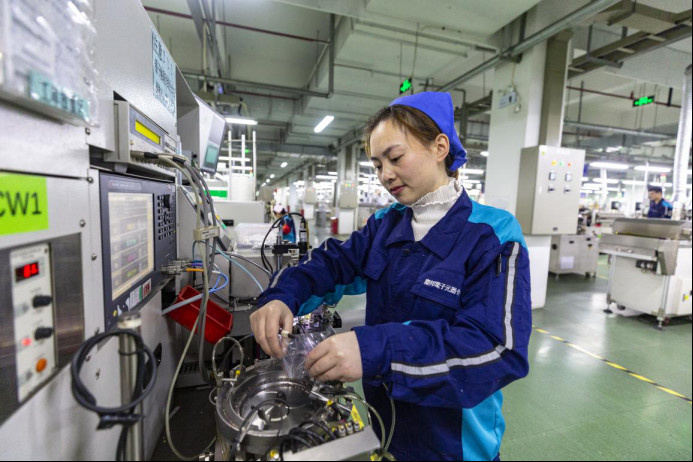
(337, 358)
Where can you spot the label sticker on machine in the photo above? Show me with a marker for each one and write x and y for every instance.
(138, 294)
(164, 71)
(23, 203)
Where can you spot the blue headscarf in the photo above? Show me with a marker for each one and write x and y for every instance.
(438, 106)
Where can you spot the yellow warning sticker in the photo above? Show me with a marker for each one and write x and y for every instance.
(23, 203)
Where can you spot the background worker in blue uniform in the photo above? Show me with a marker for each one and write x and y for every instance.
(659, 208)
(448, 313)
(286, 225)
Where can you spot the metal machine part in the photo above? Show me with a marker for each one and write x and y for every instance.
(262, 407)
(137, 134)
(650, 267)
(138, 227)
(576, 253)
(657, 228)
(42, 303)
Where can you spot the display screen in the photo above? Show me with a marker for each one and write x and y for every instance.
(131, 217)
(144, 130)
(26, 271)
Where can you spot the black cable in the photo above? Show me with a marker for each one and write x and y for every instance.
(236, 443)
(322, 425)
(312, 435)
(265, 262)
(124, 414)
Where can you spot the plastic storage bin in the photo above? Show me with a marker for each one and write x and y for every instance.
(219, 321)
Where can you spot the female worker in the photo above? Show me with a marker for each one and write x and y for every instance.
(448, 312)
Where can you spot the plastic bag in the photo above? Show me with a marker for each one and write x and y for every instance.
(296, 350)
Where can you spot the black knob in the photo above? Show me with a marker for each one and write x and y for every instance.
(43, 332)
(41, 300)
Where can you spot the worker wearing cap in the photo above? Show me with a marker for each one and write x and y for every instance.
(286, 225)
(659, 208)
(448, 314)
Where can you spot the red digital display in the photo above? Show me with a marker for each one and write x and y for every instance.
(26, 271)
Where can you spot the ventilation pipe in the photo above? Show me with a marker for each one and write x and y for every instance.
(683, 146)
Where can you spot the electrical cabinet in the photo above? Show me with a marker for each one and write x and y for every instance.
(348, 195)
(549, 189)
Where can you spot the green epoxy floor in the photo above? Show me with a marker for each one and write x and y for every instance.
(573, 406)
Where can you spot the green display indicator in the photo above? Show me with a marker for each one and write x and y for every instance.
(405, 86)
(223, 193)
(643, 101)
(23, 203)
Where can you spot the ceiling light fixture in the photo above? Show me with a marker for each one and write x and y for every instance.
(240, 121)
(609, 165)
(323, 123)
(284, 164)
(484, 153)
(272, 176)
(652, 169)
(472, 171)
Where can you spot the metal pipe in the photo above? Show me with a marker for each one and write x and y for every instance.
(570, 20)
(237, 26)
(267, 86)
(683, 146)
(134, 448)
(254, 161)
(624, 131)
(330, 86)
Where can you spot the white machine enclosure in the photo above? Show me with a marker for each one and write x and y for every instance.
(549, 189)
(651, 266)
(652, 293)
(574, 253)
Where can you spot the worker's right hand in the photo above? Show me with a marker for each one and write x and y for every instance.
(266, 324)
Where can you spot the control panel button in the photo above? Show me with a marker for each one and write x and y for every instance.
(41, 365)
(568, 177)
(43, 332)
(41, 300)
(552, 176)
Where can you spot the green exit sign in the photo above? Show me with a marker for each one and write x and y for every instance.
(405, 86)
(643, 101)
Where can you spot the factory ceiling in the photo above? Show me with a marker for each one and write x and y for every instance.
(271, 60)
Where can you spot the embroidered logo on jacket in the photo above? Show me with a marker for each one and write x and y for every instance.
(442, 286)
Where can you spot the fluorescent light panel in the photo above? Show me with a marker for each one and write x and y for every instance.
(472, 171)
(284, 164)
(652, 169)
(240, 121)
(323, 123)
(609, 165)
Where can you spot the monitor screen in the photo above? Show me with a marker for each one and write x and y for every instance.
(131, 217)
(212, 133)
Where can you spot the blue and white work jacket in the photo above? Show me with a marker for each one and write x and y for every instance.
(448, 320)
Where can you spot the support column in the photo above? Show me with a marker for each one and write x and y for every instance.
(535, 118)
(347, 188)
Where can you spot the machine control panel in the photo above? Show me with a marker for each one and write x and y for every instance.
(34, 319)
(549, 189)
(348, 195)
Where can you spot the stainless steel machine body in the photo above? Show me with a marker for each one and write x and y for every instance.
(261, 407)
(574, 253)
(650, 266)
